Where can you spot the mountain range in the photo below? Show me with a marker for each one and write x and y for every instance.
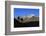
(26, 19)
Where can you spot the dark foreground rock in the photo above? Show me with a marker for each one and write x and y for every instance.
(29, 24)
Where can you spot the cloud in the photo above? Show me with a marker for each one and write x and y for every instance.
(32, 14)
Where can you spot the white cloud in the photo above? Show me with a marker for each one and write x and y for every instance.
(32, 14)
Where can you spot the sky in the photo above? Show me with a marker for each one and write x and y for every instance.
(25, 12)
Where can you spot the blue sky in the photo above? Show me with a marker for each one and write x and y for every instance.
(25, 12)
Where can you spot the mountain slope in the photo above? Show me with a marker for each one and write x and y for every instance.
(28, 19)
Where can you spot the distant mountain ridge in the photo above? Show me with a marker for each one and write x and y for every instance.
(27, 18)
